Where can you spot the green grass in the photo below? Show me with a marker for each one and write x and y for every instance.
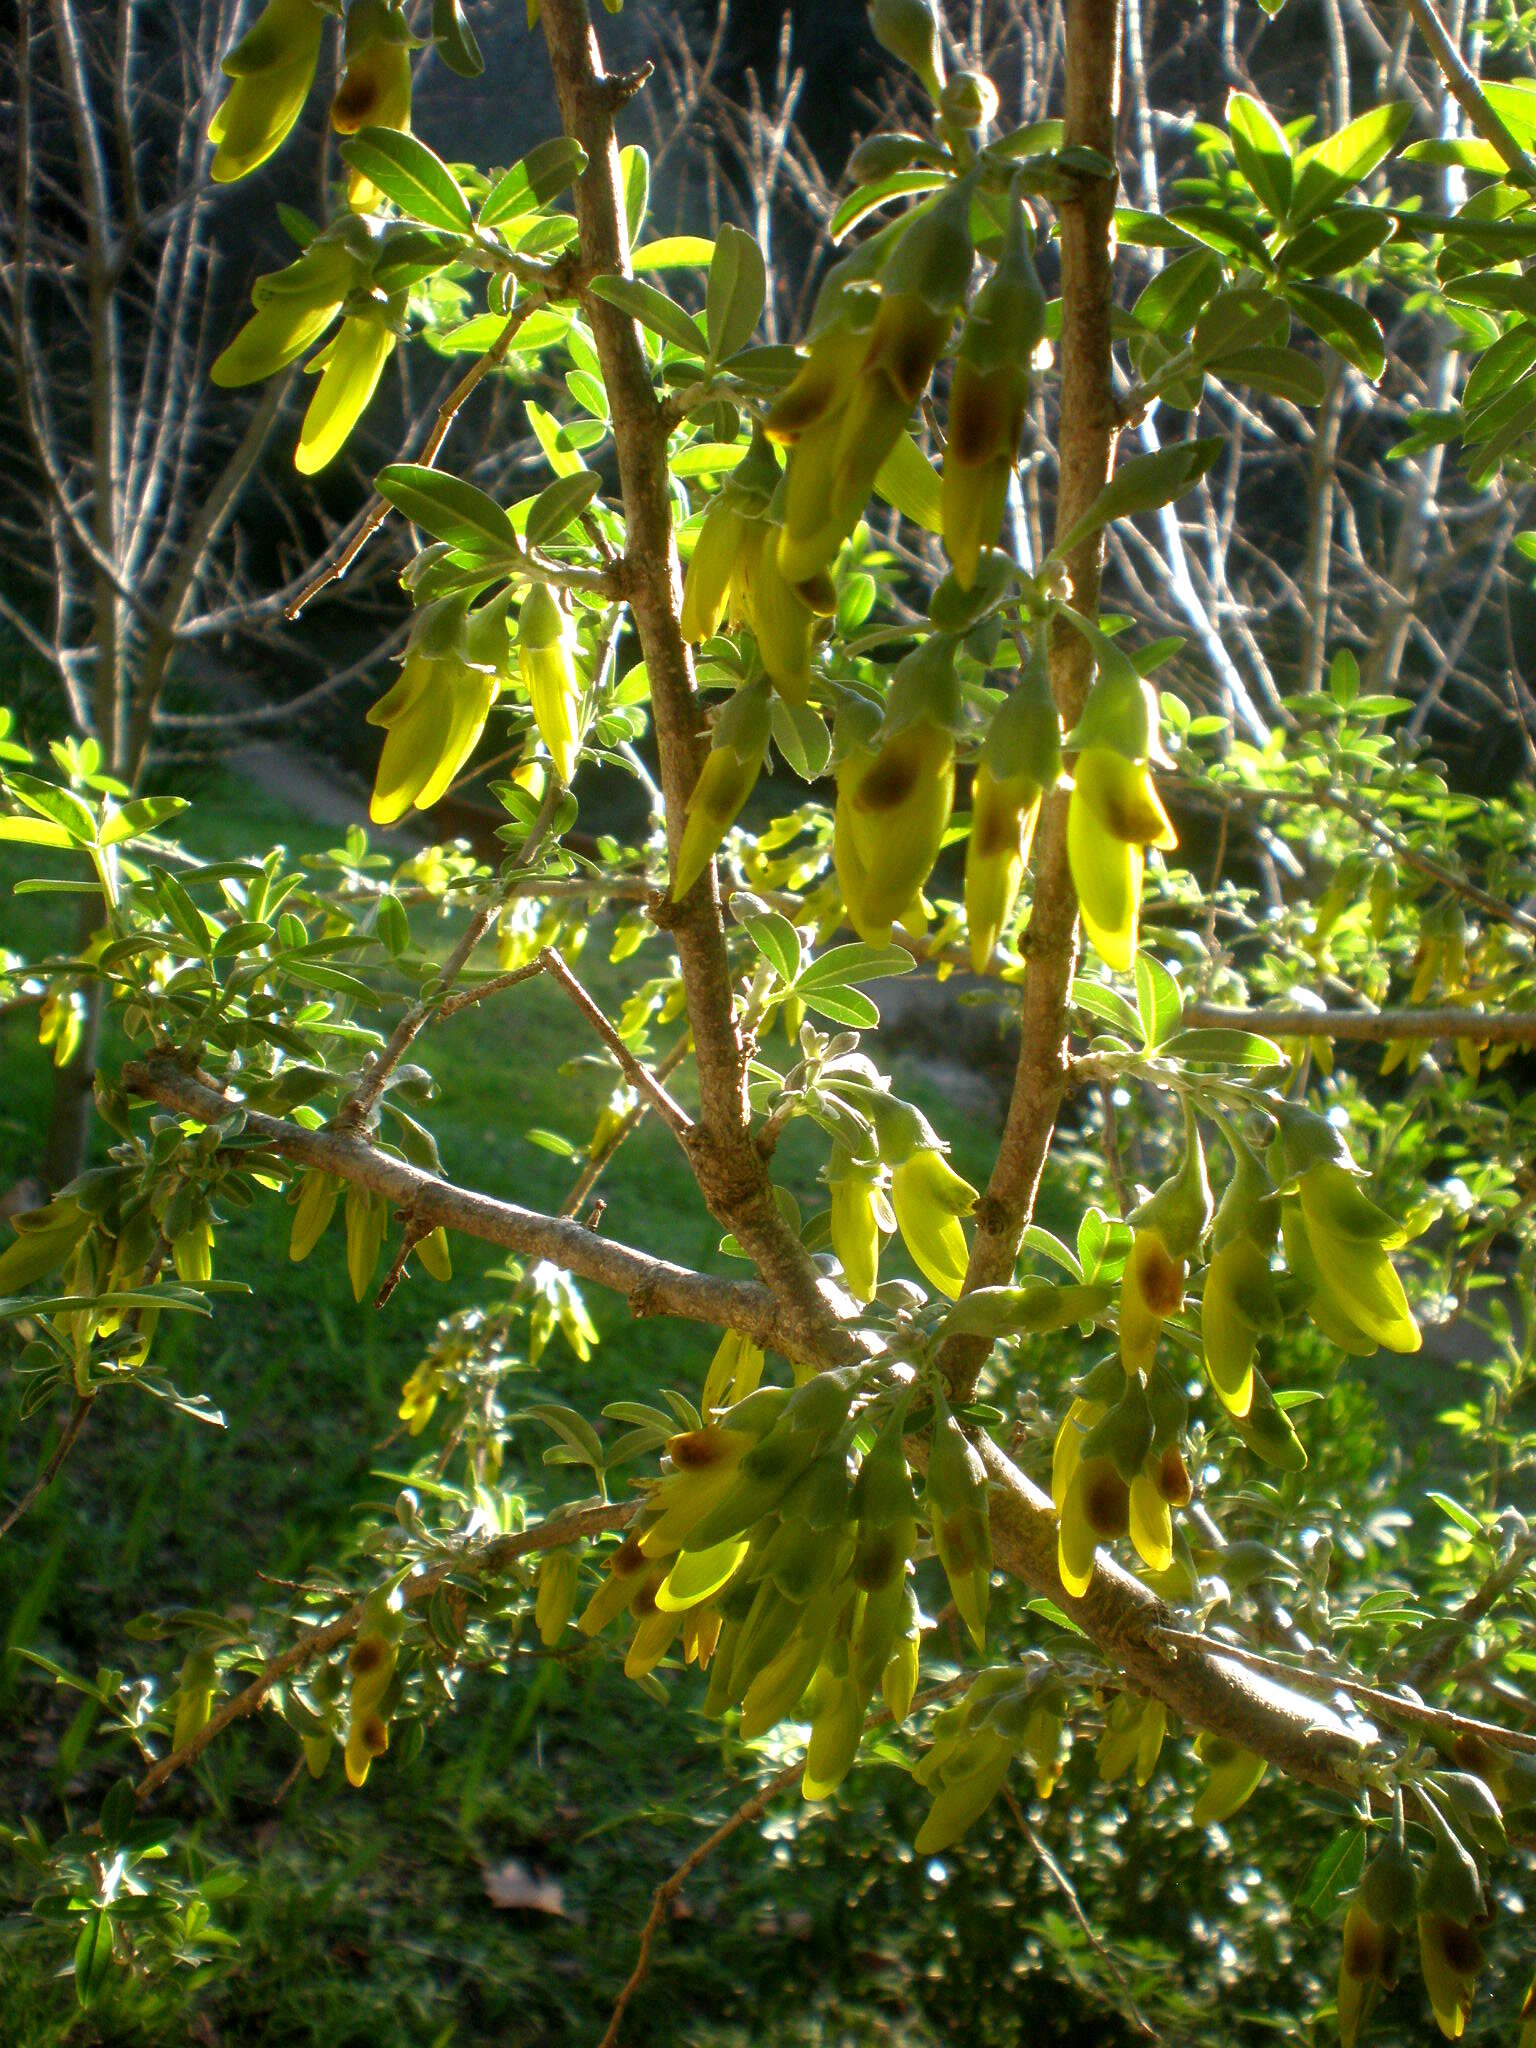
(363, 1917)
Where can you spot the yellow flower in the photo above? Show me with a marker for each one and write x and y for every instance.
(349, 368)
(433, 719)
(1336, 1242)
(1367, 1964)
(891, 813)
(1113, 816)
(860, 1210)
(273, 68)
(1004, 810)
(724, 784)
(1450, 1956)
(1239, 1301)
(546, 655)
(375, 89)
(929, 1199)
(1151, 1290)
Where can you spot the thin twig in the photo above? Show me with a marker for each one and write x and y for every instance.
(332, 568)
(749, 1810)
(466, 997)
(1130, 2009)
(357, 1110)
(484, 1562)
(50, 1472)
(671, 1112)
(1467, 93)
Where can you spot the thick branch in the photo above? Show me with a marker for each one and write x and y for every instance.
(1085, 451)
(732, 1176)
(1128, 1624)
(652, 1286)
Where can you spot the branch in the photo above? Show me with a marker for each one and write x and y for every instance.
(485, 1562)
(1467, 93)
(333, 567)
(749, 1810)
(671, 1111)
(1395, 1705)
(731, 1175)
(40, 1485)
(1370, 1027)
(1085, 448)
(1203, 1683)
(652, 1286)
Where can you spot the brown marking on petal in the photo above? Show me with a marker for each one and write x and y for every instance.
(877, 1559)
(1363, 1948)
(1106, 1499)
(889, 782)
(697, 1450)
(1173, 1478)
(998, 828)
(1460, 1947)
(1160, 1276)
(977, 418)
(374, 1734)
(368, 1653)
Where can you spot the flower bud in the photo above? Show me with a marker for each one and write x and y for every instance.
(546, 655)
(955, 1497)
(909, 31)
(555, 1598)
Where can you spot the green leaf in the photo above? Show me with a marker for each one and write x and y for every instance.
(1455, 1512)
(554, 440)
(1330, 168)
(908, 481)
(855, 962)
(867, 199)
(778, 942)
(534, 180)
(62, 806)
(1282, 372)
(653, 309)
(1262, 152)
(1158, 1001)
(142, 815)
(93, 1957)
(448, 508)
(736, 292)
(1219, 1047)
(563, 501)
(672, 252)
(415, 177)
(34, 832)
(848, 1006)
(1143, 484)
(635, 176)
(801, 736)
(1347, 328)
(1336, 1871)
(455, 39)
